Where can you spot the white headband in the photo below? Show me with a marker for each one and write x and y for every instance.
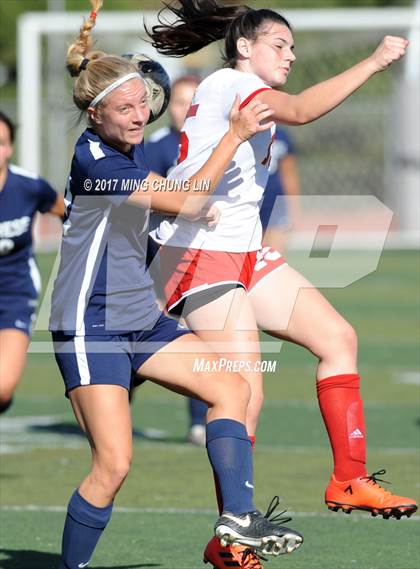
(113, 86)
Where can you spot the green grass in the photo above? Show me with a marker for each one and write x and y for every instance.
(45, 457)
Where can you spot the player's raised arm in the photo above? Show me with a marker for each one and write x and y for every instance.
(318, 100)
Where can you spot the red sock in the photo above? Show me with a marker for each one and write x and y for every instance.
(219, 499)
(342, 411)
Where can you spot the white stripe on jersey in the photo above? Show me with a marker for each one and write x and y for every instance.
(87, 278)
(96, 150)
(159, 134)
(34, 273)
(81, 358)
(21, 172)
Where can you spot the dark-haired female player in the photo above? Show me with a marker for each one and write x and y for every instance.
(22, 194)
(105, 322)
(225, 284)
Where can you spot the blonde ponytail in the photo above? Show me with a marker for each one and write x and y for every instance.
(94, 70)
(79, 50)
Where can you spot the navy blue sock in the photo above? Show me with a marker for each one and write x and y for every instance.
(230, 454)
(82, 530)
(198, 411)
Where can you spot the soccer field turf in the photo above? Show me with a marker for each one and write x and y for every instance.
(165, 511)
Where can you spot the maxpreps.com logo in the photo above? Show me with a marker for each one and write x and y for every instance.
(10, 229)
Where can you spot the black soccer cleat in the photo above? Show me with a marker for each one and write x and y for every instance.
(258, 531)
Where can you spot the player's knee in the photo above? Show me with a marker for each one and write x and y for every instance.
(237, 389)
(114, 471)
(342, 338)
(5, 403)
(120, 471)
(347, 337)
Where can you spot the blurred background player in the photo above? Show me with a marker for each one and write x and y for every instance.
(161, 152)
(279, 205)
(22, 194)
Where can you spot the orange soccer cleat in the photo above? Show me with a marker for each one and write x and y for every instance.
(231, 556)
(364, 493)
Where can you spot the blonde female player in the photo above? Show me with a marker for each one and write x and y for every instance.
(104, 319)
(227, 286)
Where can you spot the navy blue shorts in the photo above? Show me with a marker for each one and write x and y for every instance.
(17, 313)
(112, 359)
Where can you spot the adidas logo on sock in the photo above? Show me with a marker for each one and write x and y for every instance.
(356, 434)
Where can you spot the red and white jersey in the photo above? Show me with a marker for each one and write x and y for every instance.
(240, 190)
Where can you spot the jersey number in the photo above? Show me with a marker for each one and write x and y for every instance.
(265, 254)
(183, 147)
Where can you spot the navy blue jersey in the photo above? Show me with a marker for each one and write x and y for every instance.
(273, 208)
(22, 196)
(102, 285)
(161, 151)
(281, 147)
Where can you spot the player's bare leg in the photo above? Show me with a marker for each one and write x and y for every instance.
(103, 412)
(228, 325)
(13, 348)
(301, 314)
(110, 439)
(227, 395)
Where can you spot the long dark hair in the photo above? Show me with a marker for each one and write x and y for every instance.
(201, 22)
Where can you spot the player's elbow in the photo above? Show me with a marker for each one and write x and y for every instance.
(300, 113)
(295, 117)
(300, 117)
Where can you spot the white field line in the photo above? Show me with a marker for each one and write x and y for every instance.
(408, 378)
(191, 511)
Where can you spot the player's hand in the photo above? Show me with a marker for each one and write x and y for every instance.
(245, 122)
(210, 214)
(391, 48)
